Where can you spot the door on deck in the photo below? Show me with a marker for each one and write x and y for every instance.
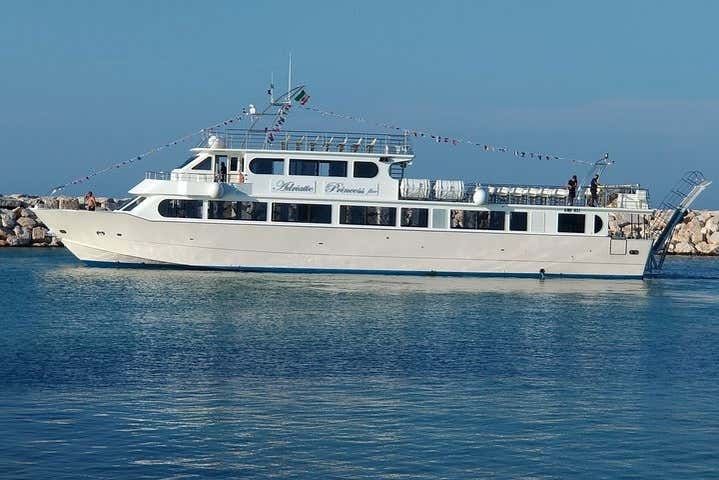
(618, 246)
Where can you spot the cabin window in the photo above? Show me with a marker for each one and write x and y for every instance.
(268, 166)
(187, 162)
(301, 212)
(518, 221)
(415, 217)
(255, 211)
(570, 223)
(477, 220)
(177, 208)
(439, 218)
(132, 204)
(364, 215)
(206, 164)
(237, 164)
(365, 170)
(598, 224)
(318, 168)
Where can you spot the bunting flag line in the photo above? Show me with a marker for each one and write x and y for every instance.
(486, 147)
(152, 151)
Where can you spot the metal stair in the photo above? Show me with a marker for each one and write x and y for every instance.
(672, 211)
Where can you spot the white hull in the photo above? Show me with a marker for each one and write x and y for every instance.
(123, 238)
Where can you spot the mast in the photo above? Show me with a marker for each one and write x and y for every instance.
(289, 79)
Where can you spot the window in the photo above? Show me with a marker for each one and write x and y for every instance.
(299, 212)
(186, 162)
(256, 211)
(477, 220)
(415, 217)
(365, 170)
(180, 208)
(206, 164)
(570, 223)
(268, 166)
(321, 168)
(132, 204)
(439, 218)
(236, 165)
(518, 221)
(362, 215)
(598, 224)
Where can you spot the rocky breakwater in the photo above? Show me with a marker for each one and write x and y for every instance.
(697, 234)
(20, 227)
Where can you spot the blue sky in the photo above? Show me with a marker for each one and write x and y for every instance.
(86, 84)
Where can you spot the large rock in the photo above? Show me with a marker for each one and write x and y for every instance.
(706, 249)
(713, 238)
(39, 234)
(7, 220)
(26, 222)
(684, 248)
(68, 203)
(712, 224)
(3, 243)
(26, 212)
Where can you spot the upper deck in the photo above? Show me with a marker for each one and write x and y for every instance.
(311, 141)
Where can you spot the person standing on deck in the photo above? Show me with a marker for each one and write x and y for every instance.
(572, 187)
(90, 202)
(594, 190)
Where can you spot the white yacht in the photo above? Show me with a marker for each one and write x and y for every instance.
(308, 201)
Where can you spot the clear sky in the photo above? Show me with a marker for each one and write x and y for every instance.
(86, 84)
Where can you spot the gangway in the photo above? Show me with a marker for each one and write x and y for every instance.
(672, 211)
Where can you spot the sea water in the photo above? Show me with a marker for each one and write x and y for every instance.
(141, 373)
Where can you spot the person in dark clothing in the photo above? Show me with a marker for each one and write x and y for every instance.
(572, 187)
(594, 190)
(223, 172)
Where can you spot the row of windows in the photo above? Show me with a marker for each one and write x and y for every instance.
(276, 166)
(317, 168)
(365, 215)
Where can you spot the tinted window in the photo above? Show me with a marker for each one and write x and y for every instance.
(322, 168)
(570, 223)
(186, 162)
(132, 204)
(415, 217)
(477, 220)
(206, 164)
(363, 215)
(365, 170)
(300, 212)
(598, 224)
(180, 208)
(267, 166)
(518, 221)
(256, 211)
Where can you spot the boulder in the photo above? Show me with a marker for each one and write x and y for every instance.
(26, 212)
(26, 222)
(3, 243)
(706, 249)
(7, 220)
(713, 238)
(684, 248)
(712, 224)
(39, 234)
(66, 203)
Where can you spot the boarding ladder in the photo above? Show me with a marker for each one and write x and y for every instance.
(672, 211)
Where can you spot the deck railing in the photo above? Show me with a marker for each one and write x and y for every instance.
(608, 195)
(310, 140)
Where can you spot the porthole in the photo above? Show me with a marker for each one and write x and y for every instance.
(63, 231)
(633, 252)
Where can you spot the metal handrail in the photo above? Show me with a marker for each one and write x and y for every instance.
(312, 140)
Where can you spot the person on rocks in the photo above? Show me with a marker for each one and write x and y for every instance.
(594, 191)
(572, 187)
(90, 201)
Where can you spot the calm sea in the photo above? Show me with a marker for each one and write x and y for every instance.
(123, 373)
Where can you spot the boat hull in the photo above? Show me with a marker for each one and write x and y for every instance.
(119, 238)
